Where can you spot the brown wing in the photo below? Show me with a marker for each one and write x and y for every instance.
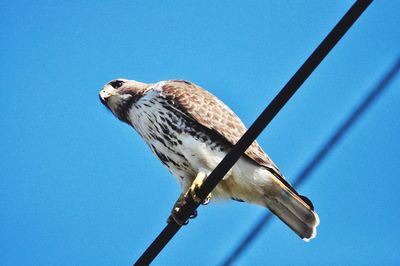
(213, 114)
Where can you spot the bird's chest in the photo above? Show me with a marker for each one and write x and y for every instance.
(162, 128)
(178, 141)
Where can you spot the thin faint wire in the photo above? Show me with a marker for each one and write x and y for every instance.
(318, 157)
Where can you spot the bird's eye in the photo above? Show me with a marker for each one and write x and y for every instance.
(116, 83)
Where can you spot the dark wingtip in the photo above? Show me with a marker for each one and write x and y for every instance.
(307, 201)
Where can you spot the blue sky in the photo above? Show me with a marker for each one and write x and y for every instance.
(78, 187)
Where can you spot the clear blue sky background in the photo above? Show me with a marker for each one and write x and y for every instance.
(78, 187)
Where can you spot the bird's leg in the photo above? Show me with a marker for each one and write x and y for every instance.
(197, 182)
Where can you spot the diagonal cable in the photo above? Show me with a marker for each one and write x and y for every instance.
(319, 156)
(255, 129)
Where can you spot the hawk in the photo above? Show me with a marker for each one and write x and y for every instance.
(190, 131)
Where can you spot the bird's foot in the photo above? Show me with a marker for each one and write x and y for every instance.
(196, 184)
(176, 215)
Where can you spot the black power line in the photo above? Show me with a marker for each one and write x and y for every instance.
(318, 157)
(255, 129)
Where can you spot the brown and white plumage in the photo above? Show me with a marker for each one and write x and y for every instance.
(190, 131)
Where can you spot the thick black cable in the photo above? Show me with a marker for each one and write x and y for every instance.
(255, 129)
(319, 156)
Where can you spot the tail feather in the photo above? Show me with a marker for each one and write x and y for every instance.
(294, 210)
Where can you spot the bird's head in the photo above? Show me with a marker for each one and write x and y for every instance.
(118, 95)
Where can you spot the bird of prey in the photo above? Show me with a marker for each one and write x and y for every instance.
(190, 131)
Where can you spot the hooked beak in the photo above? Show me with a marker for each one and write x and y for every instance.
(105, 94)
(102, 100)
